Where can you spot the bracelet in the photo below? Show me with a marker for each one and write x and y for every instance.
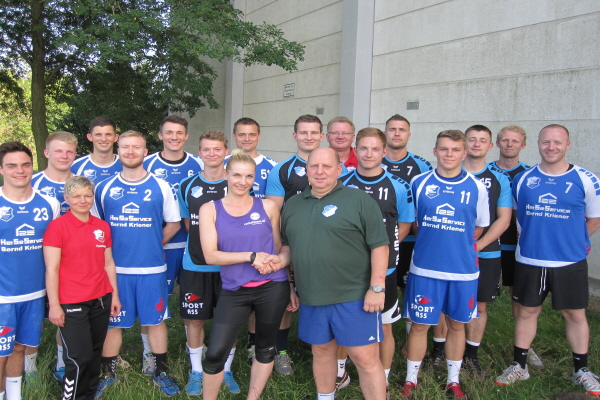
(252, 257)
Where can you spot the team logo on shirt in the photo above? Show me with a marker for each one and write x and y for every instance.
(445, 209)
(6, 214)
(161, 173)
(256, 186)
(116, 193)
(90, 174)
(99, 234)
(329, 210)
(130, 208)
(300, 171)
(533, 182)
(547, 198)
(197, 191)
(48, 191)
(25, 230)
(432, 191)
(353, 186)
(64, 207)
(254, 216)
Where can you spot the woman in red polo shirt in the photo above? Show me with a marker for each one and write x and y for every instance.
(81, 285)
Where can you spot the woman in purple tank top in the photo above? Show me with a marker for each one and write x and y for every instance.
(238, 232)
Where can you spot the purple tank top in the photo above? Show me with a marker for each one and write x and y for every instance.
(250, 232)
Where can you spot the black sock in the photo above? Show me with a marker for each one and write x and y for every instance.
(282, 340)
(471, 351)
(579, 361)
(438, 347)
(520, 356)
(251, 338)
(109, 365)
(160, 360)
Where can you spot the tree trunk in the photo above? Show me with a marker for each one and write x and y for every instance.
(38, 83)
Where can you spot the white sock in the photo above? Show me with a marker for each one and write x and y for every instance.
(59, 357)
(196, 358)
(473, 343)
(453, 371)
(412, 371)
(229, 360)
(439, 340)
(30, 363)
(146, 343)
(326, 396)
(408, 326)
(13, 388)
(387, 375)
(341, 368)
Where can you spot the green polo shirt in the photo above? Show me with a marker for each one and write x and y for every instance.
(331, 240)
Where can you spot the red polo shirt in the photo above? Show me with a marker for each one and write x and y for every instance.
(81, 275)
(352, 161)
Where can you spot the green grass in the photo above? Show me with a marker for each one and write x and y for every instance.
(495, 355)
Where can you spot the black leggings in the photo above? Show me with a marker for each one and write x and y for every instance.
(233, 309)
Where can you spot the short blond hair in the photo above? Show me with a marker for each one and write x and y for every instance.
(512, 128)
(213, 135)
(341, 119)
(77, 182)
(63, 136)
(131, 134)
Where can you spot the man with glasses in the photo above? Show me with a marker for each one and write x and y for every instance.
(340, 135)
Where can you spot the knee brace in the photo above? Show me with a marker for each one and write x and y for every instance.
(213, 365)
(265, 356)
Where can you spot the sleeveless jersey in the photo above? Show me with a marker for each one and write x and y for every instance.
(135, 212)
(250, 232)
(84, 166)
(193, 193)
(508, 240)
(406, 169)
(173, 173)
(551, 213)
(45, 185)
(394, 197)
(447, 213)
(264, 165)
(498, 186)
(22, 227)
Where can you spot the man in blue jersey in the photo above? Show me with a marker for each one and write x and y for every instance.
(394, 197)
(451, 211)
(24, 217)
(102, 163)
(340, 135)
(143, 214)
(200, 283)
(558, 209)
(479, 142)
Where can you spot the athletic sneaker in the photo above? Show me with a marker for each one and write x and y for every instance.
(588, 380)
(230, 383)
(250, 353)
(512, 374)
(342, 382)
(436, 359)
(534, 360)
(105, 382)
(122, 363)
(472, 366)
(194, 385)
(283, 364)
(454, 391)
(166, 384)
(59, 374)
(148, 364)
(408, 389)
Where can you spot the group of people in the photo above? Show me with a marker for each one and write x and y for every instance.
(103, 240)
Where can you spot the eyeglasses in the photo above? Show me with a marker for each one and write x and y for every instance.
(340, 133)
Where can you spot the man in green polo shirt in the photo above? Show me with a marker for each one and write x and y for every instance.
(339, 249)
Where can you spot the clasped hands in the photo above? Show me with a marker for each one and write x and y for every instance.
(266, 263)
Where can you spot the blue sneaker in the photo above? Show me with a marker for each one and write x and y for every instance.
(230, 383)
(59, 374)
(166, 384)
(106, 381)
(194, 385)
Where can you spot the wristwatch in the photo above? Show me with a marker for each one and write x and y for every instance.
(252, 257)
(377, 289)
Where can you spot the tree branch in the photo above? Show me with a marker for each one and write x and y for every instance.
(59, 67)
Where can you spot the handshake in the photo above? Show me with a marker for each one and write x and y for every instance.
(266, 263)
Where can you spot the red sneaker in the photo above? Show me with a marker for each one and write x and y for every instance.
(454, 391)
(408, 390)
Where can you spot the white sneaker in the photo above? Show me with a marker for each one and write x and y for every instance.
(589, 381)
(148, 366)
(534, 360)
(512, 374)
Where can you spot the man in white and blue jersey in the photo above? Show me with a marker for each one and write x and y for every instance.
(246, 134)
(102, 163)
(479, 143)
(558, 209)
(405, 165)
(200, 284)
(24, 217)
(452, 210)
(143, 215)
(394, 197)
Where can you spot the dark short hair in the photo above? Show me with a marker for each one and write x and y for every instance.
(246, 121)
(308, 118)
(397, 117)
(554, 126)
(13, 147)
(102, 121)
(174, 119)
(479, 128)
(452, 134)
(371, 132)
